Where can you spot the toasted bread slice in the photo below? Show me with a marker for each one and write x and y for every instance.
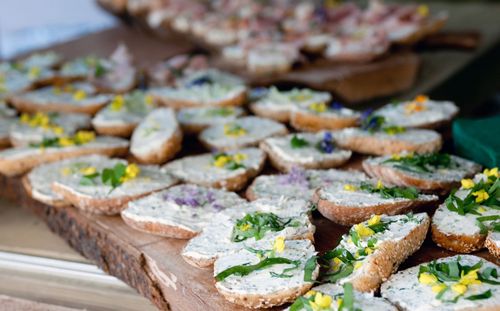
(361, 301)
(260, 216)
(272, 58)
(279, 105)
(382, 143)
(315, 118)
(264, 288)
(157, 138)
(351, 203)
(230, 171)
(493, 243)
(122, 116)
(241, 133)
(374, 249)
(299, 183)
(306, 150)
(118, 75)
(179, 212)
(38, 182)
(195, 120)
(404, 289)
(33, 129)
(74, 98)
(420, 112)
(439, 173)
(91, 194)
(16, 161)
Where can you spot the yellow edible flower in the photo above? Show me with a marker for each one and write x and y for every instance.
(34, 72)
(413, 107)
(238, 157)
(336, 263)
(421, 99)
(88, 170)
(423, 10)
(310, 293)
(221, 161)
(245, 227)
(481, 209)
(467, 183)
(279, 244)
(57, 130)
(66, 171)
(65, 141)
(131, 172)
(318, 107)
(470, 278)
(363, 230)
(374, 220)
(438, 288)
(459, 288)
(396, 157)
(322, 300)
(427, 278)
(358, 265)
(148, 99)
(79, 95)
(25, 118)
(491, 172)
(339, 302)
(349, 187)
(380, 185)
(117, 103)
(481, 195)
(368, 251)
(83, 137)
(232, 130)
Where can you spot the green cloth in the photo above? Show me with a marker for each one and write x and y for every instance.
(478, 140)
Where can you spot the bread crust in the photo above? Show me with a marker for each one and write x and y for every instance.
(458, 242)
(160, 229)
(310, 122)
(23, 105)
(348, 215)
(166, 151)
(237, 100)
(279, 116)
(123, 131)
(29, 189)
(210, 146)
(492, 246)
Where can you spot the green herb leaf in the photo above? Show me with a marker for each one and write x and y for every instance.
(309, 268)
(423, 163)
(391, 192)
(297, 142)
(243, 270)
(484, 295)
(257, 224)
(348, 301)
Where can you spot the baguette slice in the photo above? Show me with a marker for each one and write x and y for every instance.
(230, 171)
(420, 112)
(157, 138)
(195, 120)
(348, 204)
(315, 118)
(122, 116)
(38, 182)
(31, 129)
(439, 178)
(260, 289)
(493, 243)
(299, 183)
(244, 132)
(100, 198)
(74, 98)
(279, 105)
(377, 247)
(179, 212)
(404, 290)
(16, 161)
(382, 143)
(306, 150)
(361, 301)
(201, 251)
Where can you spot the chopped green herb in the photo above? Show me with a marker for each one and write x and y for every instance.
(391, 192)
(484, 295)
(422, 163)
(243, 270)
(297, 142)
(257, 224)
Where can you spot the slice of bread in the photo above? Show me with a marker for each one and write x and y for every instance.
(181, 211)
(299, 183)
(272, 58)
(420, 112)
(33, 129)
(306, 150)
(201, 251)
(75, 98)
(118, 75)
(102, 198)
(230, 171)
(382, 143)
(122, 116)
(493, 243)
(241, 133)
(16, 161)
(38, 182)
(404, 289)
(371, 251)
(305, 118)
(361, 301)
(264, 288)
(195, 120)
(440, 178)
(348, 203)
(157, 138)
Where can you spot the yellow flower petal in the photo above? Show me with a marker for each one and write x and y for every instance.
(459, 288)
(438, 288)
(322, 300)
(79, 95)
(427, 278)
(279, 244)
(349, 187)
(467, 183)
(481, 195)
(374, 220)
(363, 230)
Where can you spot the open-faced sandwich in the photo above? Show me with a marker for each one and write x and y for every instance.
(228, 170)
(181, 211)
(123, 114)
(268, 274)
(157, 138)
(168, 72)
(15, 80)
(16, 161)
(463, 282)
(372, 250)
(34, 128)
(421, 112)
(243, 132)
(306, 150)
(80, 97)
(195, 120)
(299, 183)
(348, 203)
(107, 186)
(261, 220)
(378, 137)
(82, 68)
(462, 222)
(439, 172)
(319, 116)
